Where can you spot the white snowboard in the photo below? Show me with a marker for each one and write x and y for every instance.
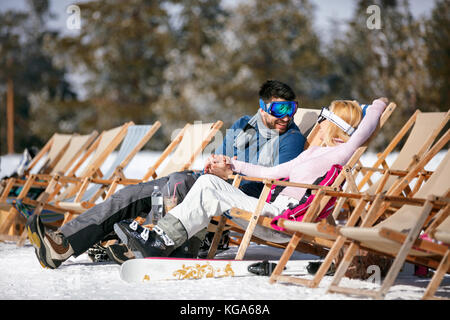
(152, 269)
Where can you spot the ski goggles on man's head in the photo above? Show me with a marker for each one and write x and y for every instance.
(279, 109)
(326, 114)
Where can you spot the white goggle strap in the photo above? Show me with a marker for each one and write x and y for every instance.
(348, 129)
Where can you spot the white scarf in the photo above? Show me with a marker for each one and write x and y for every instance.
(269, 142)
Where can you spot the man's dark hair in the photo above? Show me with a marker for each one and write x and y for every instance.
(276, 89)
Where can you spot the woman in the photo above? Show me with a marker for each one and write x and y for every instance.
(211, 196)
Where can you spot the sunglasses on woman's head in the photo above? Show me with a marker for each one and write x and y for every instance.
(326, 114)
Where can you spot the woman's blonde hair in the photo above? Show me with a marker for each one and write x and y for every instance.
(347, 110)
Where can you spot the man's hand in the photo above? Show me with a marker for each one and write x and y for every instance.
(211, 159)
(215, 159)
(219, 165)
(221, 169)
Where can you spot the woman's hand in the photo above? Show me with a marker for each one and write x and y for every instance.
(209, 162)
(221, 169)
(384, 99)
(219, 165)
(216, 160)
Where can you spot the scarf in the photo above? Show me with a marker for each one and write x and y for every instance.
(267, 144)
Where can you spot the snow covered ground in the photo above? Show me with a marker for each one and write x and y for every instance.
(22, 277)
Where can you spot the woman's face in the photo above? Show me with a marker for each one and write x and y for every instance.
(323, 126)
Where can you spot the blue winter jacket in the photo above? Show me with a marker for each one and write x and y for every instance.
(291, 144)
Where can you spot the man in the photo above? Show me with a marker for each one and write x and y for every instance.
(268, 138)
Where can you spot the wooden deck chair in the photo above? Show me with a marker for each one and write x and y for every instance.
(320, 201)
(99, 150)
(47, 158)
(425, 127)
(188, 144)
(72, 150)
(397, 234)
(108, 141)
(306, 120)
(439, 231)
(58, 145)
(323, 232)
(50, 153)
(77, 145)
(92, 188)
(136, 138)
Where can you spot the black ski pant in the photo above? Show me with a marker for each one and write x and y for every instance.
(130, 202)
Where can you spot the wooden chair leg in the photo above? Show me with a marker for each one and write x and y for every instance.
(335, 250)
(310, 215)
(9, 220)
(331, 256)
(403, 252)
(216, 239)
(67, 217)
(437, 278)
(12, 214)
(342, 268)
(369, 218)
(333, 253)
(45, 196)
(7, 189)
(252, 223)
(287, 253)
(22, 239)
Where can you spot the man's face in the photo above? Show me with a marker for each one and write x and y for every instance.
(275, 123)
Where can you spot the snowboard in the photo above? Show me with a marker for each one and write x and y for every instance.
(153, 269)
